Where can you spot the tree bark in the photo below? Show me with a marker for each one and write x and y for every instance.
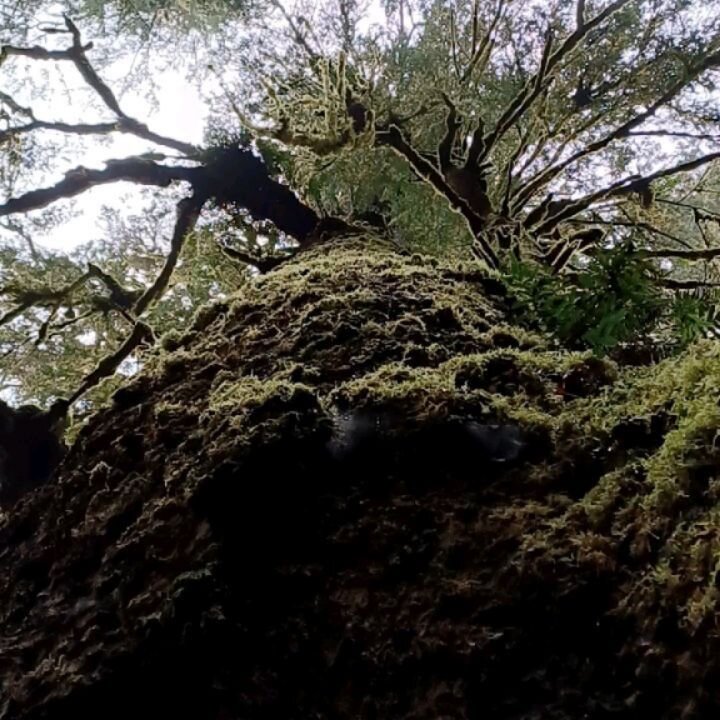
(357, 489)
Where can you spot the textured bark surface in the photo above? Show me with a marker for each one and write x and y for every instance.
(354, 491)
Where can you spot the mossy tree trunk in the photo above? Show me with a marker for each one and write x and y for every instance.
(356, 489)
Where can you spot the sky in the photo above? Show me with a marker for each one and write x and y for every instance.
(180, 114)
(56, 92)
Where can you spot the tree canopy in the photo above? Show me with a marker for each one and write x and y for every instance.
(569, 146)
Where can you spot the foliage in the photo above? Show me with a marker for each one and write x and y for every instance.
(615, 299)
(639, 56)
(578, 137)
(694, 316)
(53, 344)
(145, 17)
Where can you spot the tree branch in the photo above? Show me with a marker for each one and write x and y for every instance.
(188, 211)
(80, 129)
(624, 186)
(481, 52)
(140, 334)
(299, 37)
(77, 181)
(15, 106)
(636, 224)
(237, 176)
(692, 255)
(688, 284)
(452, 126)
(77, 55)
(569, 137)
(673, 133)
(27, 298)
(545, 176)
(477, 146)
(580, 14)
(523, 100)
(548, 62)
(393, 138)
(123, 126)
(261, 264)
(79, 58)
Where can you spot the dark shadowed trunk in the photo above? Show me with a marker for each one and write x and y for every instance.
(358, 490)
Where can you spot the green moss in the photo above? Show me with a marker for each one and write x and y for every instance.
(616, 489)
(610, 514)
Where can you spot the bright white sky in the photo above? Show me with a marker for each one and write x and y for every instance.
(180, 114)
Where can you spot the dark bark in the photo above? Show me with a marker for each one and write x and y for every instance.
(354, 490)
(238, 177)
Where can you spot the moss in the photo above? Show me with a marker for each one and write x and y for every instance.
(310, 497)
(617, 485)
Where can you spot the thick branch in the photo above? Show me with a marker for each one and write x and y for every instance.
(477, 145)
(683, 167)
(80, 179)
(232, 175)
(393, 137)
(570, 208)
(580, 14)
(238, 176)
(36, 53)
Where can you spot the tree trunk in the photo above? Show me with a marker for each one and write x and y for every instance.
(357, 490)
